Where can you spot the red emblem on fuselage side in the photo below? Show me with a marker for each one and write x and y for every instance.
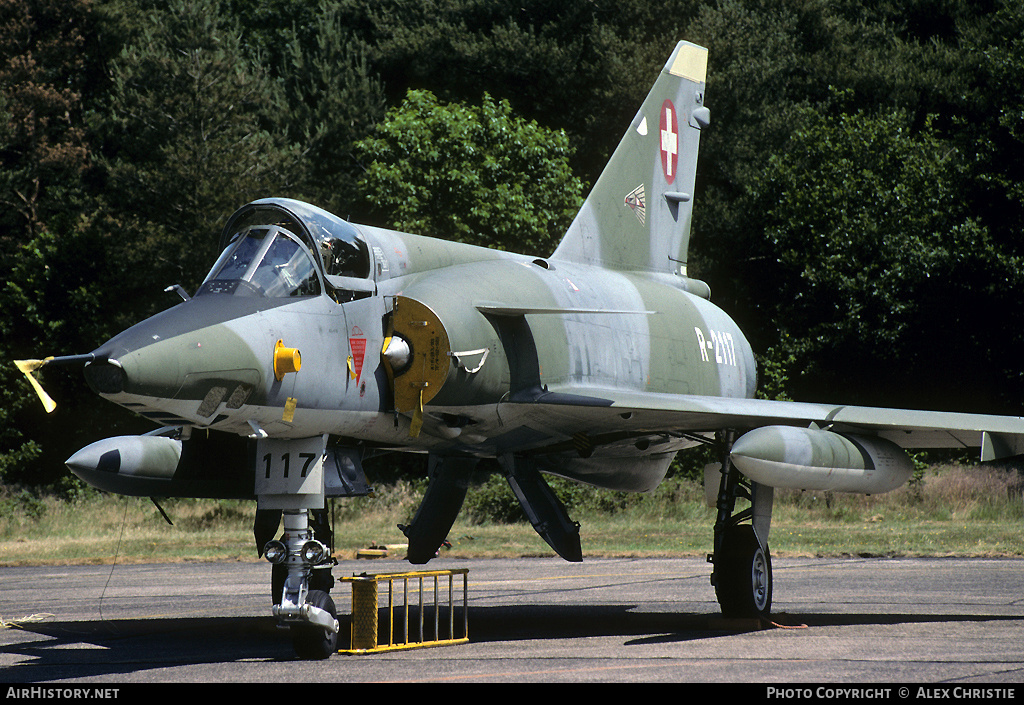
(357, 344)
(669, 132)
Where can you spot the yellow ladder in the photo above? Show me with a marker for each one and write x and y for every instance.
(365, 610)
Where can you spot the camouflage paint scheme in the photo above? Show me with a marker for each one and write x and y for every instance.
(315, 342)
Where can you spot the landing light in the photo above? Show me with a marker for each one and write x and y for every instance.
(313, 552)
(275, 551)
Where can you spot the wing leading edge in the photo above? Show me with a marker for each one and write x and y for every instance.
(609, 410)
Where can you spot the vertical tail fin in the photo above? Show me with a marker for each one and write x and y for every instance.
(637, 217)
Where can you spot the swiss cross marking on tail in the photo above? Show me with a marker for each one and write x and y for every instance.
(669, 140)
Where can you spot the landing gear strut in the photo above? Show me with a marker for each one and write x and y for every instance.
(743, 565)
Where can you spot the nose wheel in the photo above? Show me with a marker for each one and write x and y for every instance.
(313, 642)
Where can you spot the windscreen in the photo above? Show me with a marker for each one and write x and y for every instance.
(264, 261)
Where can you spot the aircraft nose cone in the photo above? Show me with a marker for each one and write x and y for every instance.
(191, 352)
(148, 368)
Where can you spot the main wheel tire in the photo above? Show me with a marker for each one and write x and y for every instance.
(311, 642)
(743, 574)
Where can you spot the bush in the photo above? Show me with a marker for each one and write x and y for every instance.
(492, 501)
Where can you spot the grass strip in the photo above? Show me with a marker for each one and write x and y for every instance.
(950, 510)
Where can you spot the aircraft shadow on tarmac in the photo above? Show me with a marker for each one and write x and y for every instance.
(527, 622)
(79, 649)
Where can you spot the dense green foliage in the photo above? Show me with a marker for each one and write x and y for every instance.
(474, 174)
(873, 253)
(859, 204)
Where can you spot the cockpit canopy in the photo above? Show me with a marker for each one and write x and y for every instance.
(265, 261)
(280, 247)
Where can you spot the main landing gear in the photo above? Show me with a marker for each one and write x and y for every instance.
(742, 574)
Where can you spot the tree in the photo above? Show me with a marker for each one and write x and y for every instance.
(877, 276)
(990, 123)
(194, 130)
(476, 174)
(771, 59)
(43, 149)
(43, 156)
(576, 65)
(334, 101)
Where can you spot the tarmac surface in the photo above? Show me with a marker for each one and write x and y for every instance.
(899, 622)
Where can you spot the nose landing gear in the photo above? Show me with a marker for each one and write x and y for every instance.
(302, 602)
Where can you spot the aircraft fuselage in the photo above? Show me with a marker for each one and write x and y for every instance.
(515, 327)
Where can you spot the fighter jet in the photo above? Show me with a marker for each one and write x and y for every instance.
(315, 343)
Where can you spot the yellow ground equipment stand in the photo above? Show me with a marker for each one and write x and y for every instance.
(424, 618)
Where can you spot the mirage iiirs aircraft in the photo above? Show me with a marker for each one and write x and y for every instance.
(315, 343)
